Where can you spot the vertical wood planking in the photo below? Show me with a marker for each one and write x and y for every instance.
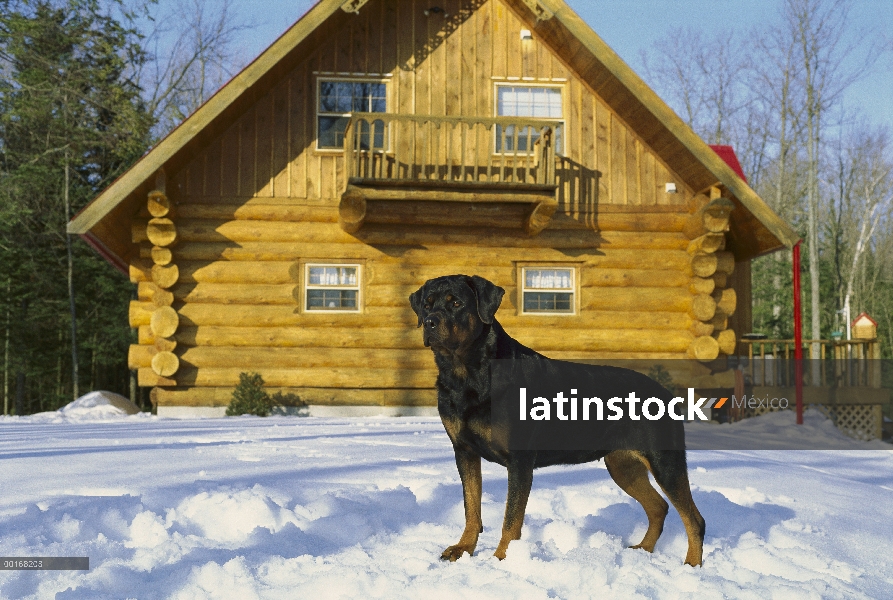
(603, 150)
(212, 170)
(247, 152)
(264, 147)
(618, 162)
(229, 179)
(281, 134)
(500, 69)
(648, 189)
(513, 53)
(632, 169)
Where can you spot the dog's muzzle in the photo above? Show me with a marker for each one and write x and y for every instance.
(431, 323)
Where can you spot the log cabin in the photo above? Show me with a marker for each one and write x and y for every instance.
(379, 143)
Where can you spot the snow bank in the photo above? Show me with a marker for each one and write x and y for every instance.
(347, 508)
(95, 406)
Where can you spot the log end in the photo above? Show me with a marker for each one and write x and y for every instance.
(704, 348)
(165, 364)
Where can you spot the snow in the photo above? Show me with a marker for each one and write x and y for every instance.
(287, 507)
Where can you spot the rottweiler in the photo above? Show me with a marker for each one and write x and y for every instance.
(458, 316)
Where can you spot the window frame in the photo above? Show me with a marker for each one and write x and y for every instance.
(306, 286)
(574, 289)
(320, 79)
(562, 122)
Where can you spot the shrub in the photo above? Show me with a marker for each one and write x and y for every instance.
(249, 397)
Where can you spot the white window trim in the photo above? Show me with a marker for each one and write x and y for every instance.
(316, 112)
(358, 288)
(574, 289)
(530, 84)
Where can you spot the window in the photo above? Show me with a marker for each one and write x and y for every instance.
(548, 290)
(332, 288)
(524, 101)
(337, 100)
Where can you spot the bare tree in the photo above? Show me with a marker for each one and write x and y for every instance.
(194, 50)
(701, 78)
(819, 27)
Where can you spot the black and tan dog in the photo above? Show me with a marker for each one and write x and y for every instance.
(457, 313)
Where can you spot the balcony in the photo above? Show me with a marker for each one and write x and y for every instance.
(392, 158)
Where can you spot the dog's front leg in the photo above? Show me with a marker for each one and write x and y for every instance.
(520, 478)
(469, 465)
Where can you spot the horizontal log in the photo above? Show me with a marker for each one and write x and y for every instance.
(164, 345)
(726, 301)
(699, 328)
(637, 299)
(351, 212)
(447, 214)
(160, 297)
(707, 243)
(326, 396)
(140, 269)
(703, 307)
(215, 231)
(727, 341)
(161, 256)
(665, 299)
(701, 285)
(312, 377)
(720, 279)
(195, 314)
(158, 204)
(712, 217)
(160, 231)
(460, 257)
(604, 340)
(287, 358)
(165, 364)
(165, 276)
(704, 348)
(294, 213)
(164, 322)
(540, 217)
(706, 265)
(149, 378)
(285, 272)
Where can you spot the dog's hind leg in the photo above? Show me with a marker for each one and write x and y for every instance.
(631, 474)
(671, 473)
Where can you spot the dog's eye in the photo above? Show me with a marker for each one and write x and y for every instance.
(456, 303)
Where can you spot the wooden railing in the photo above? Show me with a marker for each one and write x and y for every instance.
(841, 363)
(391, 149)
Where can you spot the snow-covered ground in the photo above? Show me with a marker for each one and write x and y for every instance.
(288, 507)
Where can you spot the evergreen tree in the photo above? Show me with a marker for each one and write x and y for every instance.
(71, 120)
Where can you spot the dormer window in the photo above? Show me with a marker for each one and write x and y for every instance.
(337, 99)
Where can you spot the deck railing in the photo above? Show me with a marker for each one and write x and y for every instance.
(839, 363)
(392, 149)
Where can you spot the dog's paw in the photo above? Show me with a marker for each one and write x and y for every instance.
(454, 553)
(500, 553)
(642, 547)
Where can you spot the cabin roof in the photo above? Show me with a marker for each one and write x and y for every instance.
(105, 222)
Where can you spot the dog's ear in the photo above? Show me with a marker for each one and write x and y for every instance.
(489, 298)
(417, 301)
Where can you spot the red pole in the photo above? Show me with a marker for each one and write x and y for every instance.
(798, 336)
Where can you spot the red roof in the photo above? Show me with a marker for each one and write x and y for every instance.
(727, 153)
(858, 318)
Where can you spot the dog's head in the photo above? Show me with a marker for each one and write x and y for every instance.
(454, 309)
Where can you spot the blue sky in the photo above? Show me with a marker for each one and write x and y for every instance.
(630, 26)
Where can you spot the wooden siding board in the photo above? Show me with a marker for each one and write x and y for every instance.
(264, 147)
